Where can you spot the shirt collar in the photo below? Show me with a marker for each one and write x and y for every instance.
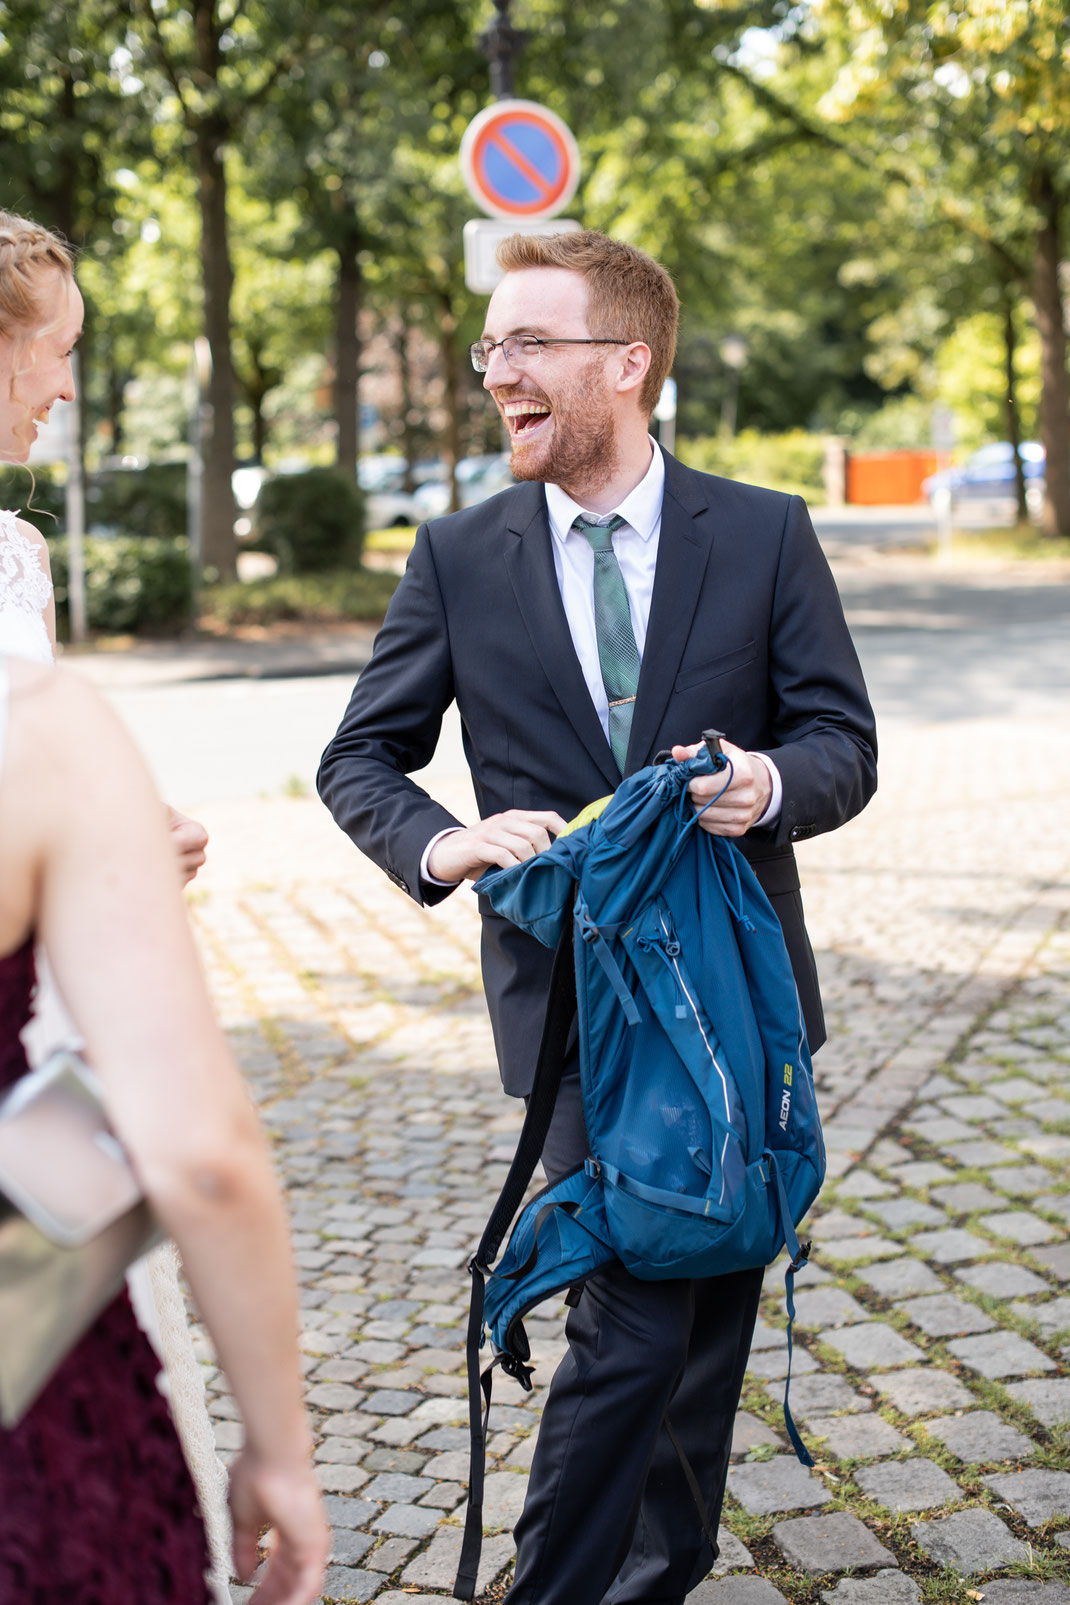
(640, 509)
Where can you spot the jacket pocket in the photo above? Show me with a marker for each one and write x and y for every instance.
(777, 873)
(715, 667)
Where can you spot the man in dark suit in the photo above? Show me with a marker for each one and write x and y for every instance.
(612, 605)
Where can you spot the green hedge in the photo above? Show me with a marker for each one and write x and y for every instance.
(147, 503)
(333, 598)
(790, 462)
(132, 586)
(312, 522)
(40, 500)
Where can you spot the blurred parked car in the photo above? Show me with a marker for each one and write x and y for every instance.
(386, 501)
(988, 475)
(477, 478)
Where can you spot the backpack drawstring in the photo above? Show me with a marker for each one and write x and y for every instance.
(799, 1257)
(735, 907)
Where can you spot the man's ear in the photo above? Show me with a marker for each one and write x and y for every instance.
(634, 366)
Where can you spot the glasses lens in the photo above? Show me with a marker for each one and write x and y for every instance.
(479, 355)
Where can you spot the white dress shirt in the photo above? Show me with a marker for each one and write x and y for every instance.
(636, 546)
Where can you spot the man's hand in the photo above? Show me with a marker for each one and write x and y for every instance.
(746, 798)
(190, 840)
(502, 839)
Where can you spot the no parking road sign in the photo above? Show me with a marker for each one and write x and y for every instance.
(519, 160)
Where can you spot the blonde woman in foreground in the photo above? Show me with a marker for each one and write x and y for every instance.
(40, 322)
(95, 1499)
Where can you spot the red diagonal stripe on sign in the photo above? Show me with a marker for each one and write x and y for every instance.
(518, 159)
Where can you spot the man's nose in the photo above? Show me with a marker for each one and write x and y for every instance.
(497, 362)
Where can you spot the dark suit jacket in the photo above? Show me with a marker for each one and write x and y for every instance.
(746, 634)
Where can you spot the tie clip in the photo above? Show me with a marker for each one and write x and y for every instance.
(620, 702)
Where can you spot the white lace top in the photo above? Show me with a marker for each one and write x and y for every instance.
(25, 592)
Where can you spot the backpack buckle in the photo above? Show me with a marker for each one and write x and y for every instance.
(802, 1257)
(517, 1370)
(592, 1168)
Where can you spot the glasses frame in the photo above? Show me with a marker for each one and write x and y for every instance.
(481, 351)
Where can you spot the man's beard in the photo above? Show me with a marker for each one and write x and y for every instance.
(581, 453)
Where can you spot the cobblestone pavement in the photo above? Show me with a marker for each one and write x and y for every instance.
(933, 1335)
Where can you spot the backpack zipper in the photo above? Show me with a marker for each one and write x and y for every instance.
(671, 949)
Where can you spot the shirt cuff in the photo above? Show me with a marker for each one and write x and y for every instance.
(432, 880)
(776, 800)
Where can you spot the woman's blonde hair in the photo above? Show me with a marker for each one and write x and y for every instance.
(27, 251)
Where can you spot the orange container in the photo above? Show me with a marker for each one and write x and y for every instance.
(888, 478)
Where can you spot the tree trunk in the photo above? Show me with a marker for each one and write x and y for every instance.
(116, 390)
(347, 356)
(1051, 326)
(1010, 399)
(451, 436)
(408, 432)
(210, 130)
(256, 382)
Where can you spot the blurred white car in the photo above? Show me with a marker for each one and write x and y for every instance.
(386, 501)
(477, 478)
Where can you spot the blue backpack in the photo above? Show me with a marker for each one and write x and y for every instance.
(697, 1087)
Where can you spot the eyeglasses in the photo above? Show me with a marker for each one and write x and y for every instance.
(520, 348)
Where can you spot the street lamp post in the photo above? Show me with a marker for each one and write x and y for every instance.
(76, 598)
(200, 372)
(733, 354)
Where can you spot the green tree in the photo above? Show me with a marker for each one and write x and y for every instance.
(211, 63)
(342, 144)
(68, 118)
(968, 102)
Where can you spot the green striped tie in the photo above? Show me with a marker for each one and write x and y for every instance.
(618, 655)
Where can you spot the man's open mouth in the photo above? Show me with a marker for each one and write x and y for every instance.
(524, 416)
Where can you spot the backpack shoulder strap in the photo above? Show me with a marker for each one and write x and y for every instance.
(560, 1012)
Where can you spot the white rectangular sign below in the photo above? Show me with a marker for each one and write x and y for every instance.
(483, 235)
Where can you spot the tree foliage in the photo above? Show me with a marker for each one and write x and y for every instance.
(872, 193)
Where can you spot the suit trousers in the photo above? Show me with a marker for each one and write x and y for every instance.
(609, 1518)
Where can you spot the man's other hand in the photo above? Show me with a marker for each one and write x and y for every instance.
(502, 839)
(745, 800)
(190, 840)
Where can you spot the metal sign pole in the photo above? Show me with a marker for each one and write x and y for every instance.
(500, 43)
(75, 516)
(943, 437)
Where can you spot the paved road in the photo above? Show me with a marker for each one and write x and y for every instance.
(932, 1371)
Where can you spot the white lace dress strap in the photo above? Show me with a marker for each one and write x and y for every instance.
(25, 592)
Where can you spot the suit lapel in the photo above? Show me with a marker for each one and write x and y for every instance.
(530, 564)
(684, 547)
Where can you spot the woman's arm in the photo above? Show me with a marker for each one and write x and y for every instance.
(112, 921)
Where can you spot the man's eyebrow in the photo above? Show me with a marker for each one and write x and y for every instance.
(539, 330)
